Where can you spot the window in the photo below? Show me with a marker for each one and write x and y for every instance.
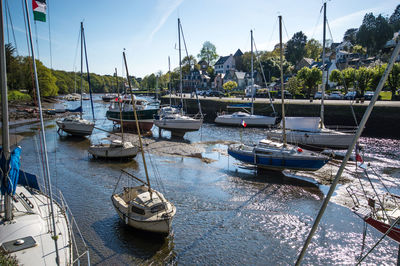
(227, 66)
(137, 210)
(157, 208)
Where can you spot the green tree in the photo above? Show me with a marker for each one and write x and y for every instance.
(187, 63)
(351, 35)
(208, 53)
(394, 78)
(229, 86)
(310, 78)
(363, 77)
(394, 19)
(359, 49)
(295, 48)
(336, 76)
(313, 49)
(377, 73)
(294, 86)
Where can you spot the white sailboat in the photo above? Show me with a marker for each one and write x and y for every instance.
(317, 136)
(141, 206)
(34, 228)
(117, 148)
(74, 125)
(276, 155)
(237, 118)
(173, 120)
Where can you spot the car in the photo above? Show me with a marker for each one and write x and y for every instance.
(336, 95)
(351, 95)
(287, 95)
(368, 95)
(318, 95)
(215, 93)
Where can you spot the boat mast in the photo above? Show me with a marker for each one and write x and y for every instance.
(323, 69)
(137, 125)
(119, 106)
(180, 63)
(87, 69)
(282, 81)
(4, 109)
(252, 75)
(81, 65)
(169, 81)
(47, 175)
(350, 150)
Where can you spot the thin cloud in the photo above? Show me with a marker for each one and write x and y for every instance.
(165, 16)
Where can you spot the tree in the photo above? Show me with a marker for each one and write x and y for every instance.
(294, 86)
(336, 76)
(374, 32)
(394, 19)
(377, 73)
(394, 78)
(313, 49)
(359, 49)
(350, 35)
(187, 63)
(295, 48)
(208, 53)
(310, 78)
(230, 85)
(363, 77)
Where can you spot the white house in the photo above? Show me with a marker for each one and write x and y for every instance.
(224, 64)
(330, 66)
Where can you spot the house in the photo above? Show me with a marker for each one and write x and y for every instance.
(256, 76)
(218, 81)
(304, 62)
(195, 80)
(203, 65)
(224, 64)
(344, 46)
(329, 67)
(236, 76)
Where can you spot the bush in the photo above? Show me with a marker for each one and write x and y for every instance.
(15, 95)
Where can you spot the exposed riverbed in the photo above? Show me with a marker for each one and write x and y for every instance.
(227, 214)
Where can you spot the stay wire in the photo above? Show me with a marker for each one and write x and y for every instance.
(284, 26)
(51, 54)
(8, 31)
(316, 24)
(12, 28)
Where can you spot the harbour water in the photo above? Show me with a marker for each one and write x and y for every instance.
(226, 214)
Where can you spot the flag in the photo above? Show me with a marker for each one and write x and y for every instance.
(39, 10)
(243, 123)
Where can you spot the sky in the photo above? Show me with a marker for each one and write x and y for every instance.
(147, 29)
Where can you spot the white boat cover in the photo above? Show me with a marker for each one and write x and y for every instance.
(310, 124)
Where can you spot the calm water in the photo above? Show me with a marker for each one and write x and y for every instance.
(226, 215)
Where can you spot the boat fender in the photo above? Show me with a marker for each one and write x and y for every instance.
(299, 149)
(306, 135)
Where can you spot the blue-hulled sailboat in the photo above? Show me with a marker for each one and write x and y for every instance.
(273, 155)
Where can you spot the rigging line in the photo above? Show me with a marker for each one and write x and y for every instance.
(284, 26)
(263, 74)
(316, 24)
(329, 29)
(12, 28)
(273, 30)
(7, 14)
(51, 57)
(37, 40)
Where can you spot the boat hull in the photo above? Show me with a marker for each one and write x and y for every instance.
(76, 129)
(383, 227)
(113, 152)
(179, 126)
(277, 163)
(314, 140)
(145, 118)
(252, 120)
(161, 226)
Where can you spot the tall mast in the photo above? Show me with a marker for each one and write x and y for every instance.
(4, 108)
(137, 125)
(252, 74)
(119, 106)
(324, 78)
(180, 62)
(357, 135)
(47, 175)
(282, 81)
(169, 81)
(87, 69)
(81, 65)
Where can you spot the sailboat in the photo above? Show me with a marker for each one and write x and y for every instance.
(141, 206)
(388, 225)
(34, 228)
(310, 132)
(74, 125)
(117, 148)
(172, 119)
(273, 155)
(236, 118)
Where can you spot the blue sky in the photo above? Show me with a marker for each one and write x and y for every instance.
(147, 29)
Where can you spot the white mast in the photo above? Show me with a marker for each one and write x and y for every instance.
(180, 62)
(324, 78)
(282, 81)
